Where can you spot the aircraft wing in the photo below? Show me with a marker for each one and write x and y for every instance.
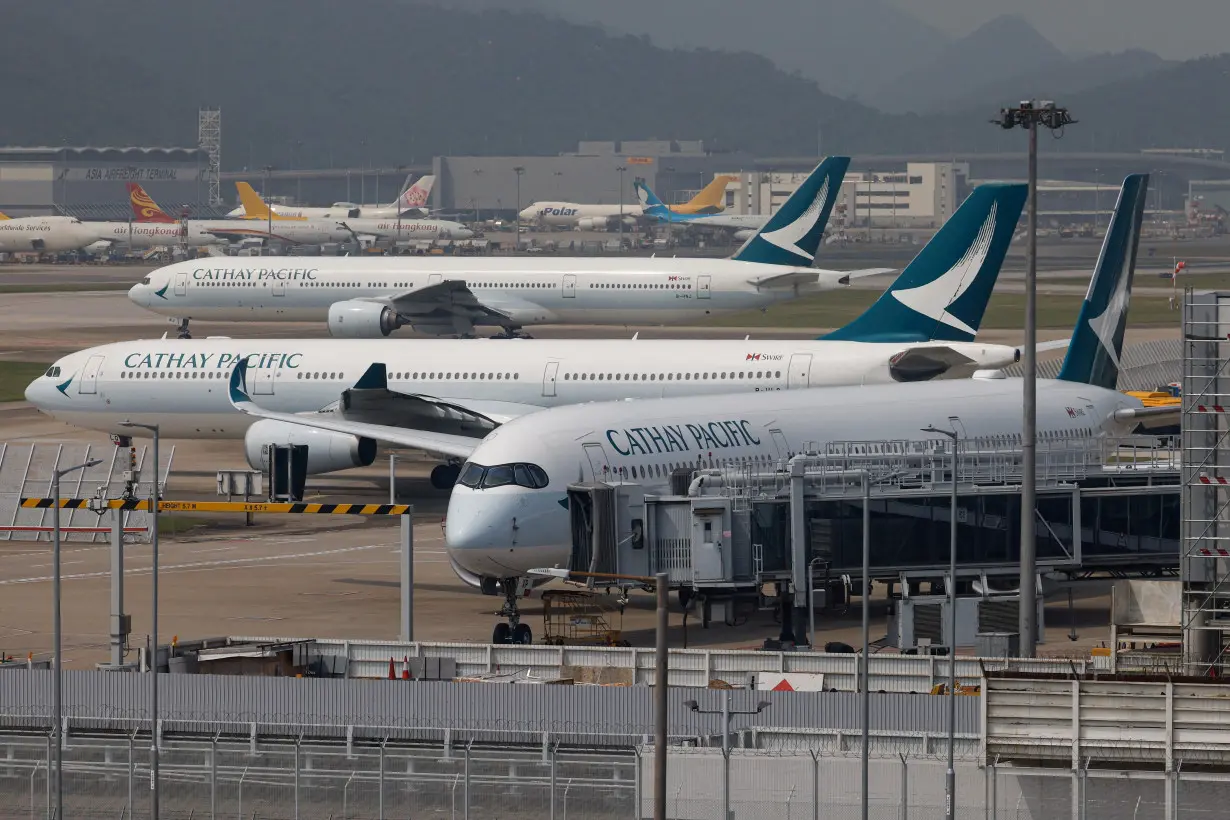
(449, 302)
(1057, 344)
(371, 410)
(1149, 415)
(933, 361)
(806, 277)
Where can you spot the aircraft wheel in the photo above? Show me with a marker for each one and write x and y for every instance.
(502, 633)
(521, 634)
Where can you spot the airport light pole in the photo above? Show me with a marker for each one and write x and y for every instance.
(1030, 116)
(397, 205)
(621, 169)
(950, 587)
(155, 496)
(727, 714)
(268, 207)
(57, 717)
(518, 170)
(661, 585)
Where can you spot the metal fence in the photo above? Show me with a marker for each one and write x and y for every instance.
(285, 780)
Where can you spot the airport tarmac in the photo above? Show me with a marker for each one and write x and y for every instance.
(308, 575)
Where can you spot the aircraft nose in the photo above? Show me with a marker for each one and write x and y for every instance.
(138, 295)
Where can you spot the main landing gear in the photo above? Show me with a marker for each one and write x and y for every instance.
(513, 631)
(444, 476)
(182, 332)
(512, 333)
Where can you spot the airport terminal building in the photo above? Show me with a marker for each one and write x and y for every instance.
(90, 182)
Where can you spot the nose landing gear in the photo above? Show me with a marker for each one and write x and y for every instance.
(514, 631)
(182, 331)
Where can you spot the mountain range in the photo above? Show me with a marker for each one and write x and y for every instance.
(301, 82)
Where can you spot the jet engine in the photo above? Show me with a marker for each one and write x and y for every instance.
(327, 451)
(357, 319)
(592, 223)
(744, 235)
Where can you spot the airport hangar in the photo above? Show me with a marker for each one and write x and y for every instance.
(89, 182)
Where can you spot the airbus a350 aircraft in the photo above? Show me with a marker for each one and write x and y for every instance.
(505, 515)
(710, 199)
(412, 200)
(372, 297)
(408, 392)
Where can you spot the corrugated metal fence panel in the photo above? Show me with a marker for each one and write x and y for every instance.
(688, 667)
(117, 700)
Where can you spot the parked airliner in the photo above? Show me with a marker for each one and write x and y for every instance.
(371, 297)
(45, 234)
(507, 513)
(412, 200)
(709, 200)
(467, 387)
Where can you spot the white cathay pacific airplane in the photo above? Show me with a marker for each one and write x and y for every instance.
(393, 389)
(507, 513)
(412, 200)
(372, 297)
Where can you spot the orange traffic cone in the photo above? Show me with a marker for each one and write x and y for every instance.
(392, 671)
(405, 667)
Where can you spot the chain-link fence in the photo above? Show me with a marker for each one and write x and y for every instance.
(285, 780)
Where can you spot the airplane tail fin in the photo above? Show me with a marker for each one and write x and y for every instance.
(253, 206)
(709, 200)
(793, 234)
(3, 216)
(650, 204)
(1097, 341)
(942, 294)
(144, 208)
(416, 195)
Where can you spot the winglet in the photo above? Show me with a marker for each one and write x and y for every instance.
(1097, 341)
(239, 396)
(793, 234)
(943, 293)
(376, 377)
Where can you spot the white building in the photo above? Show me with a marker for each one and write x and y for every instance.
(924, 195)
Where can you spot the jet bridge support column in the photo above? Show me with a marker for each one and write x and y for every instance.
(798, 556)
(406, 622)
(119, 621)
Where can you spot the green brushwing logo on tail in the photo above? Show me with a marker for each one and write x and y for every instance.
(793, 234)
(161, 293)
(943, 293)
(1097, 341)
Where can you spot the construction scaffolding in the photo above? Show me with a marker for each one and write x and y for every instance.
(1205, 524)
(209, 138)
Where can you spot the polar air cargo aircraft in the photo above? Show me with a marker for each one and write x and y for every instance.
(413, 393)
(413, 199)
(710, 200)
(371, 297)
(505, 515)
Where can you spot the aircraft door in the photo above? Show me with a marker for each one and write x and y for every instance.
(89, 376)
(599, 467)
(279, 288)
(799, 374)
(703, 283)
(548, 378)
(434, 279)
(260, 380)
(570, 286)
(181, 284)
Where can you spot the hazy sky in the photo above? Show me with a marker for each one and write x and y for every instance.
(1175, 29)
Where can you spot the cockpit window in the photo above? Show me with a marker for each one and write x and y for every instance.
(471, 475)
(476, 476)
(146, 281)
(53, 372)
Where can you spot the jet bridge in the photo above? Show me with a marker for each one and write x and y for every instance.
(792, 533)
